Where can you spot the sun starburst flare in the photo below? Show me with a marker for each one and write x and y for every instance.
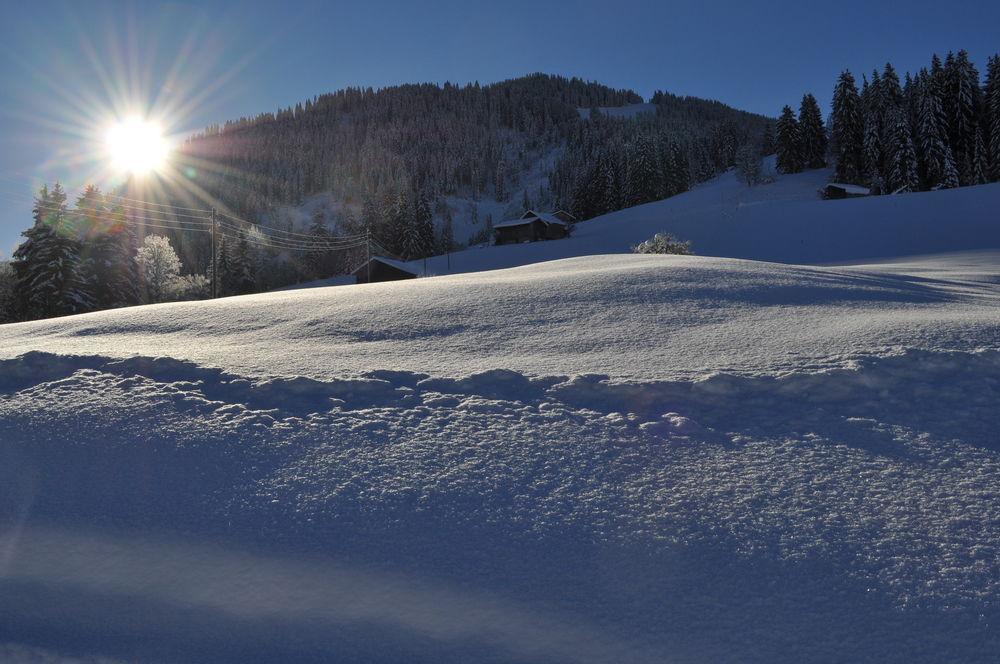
(137, 146)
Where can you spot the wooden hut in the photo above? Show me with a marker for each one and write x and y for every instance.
(379, 268)
(838, 190)
(533, 226)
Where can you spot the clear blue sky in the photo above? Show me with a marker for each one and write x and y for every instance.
(64, 67)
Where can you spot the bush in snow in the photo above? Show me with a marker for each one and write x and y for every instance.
(190, 287)
(663, 243)
(158, 265)
(749, 164)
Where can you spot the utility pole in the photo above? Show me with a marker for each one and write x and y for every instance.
(368, 253)
(215, 261)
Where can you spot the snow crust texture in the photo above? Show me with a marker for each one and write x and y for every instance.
(859, 504)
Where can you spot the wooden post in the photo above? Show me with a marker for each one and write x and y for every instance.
(215, 261)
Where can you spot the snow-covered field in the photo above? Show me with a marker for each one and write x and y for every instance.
(607, 458)
(783, 221)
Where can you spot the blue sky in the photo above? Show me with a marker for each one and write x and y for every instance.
(67, 68)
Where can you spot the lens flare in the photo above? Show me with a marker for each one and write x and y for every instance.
(137, 146)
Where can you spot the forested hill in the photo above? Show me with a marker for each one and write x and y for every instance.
(465, 153)
(360, 141)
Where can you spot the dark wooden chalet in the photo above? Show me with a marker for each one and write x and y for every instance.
(380, 268)
(533, 226)
(838, 190)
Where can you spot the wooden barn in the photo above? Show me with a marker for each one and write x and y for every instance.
(533, 226)
(837, 190)
(379, 268)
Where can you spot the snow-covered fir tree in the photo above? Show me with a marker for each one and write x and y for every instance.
(961, 104)
(991, 107)
(902, 174)
(644, 174)
(788, 141)
(847, 130)
(48, 267)
(932, 136)
(812, 134)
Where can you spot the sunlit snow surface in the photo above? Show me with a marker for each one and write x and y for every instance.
(602, 459)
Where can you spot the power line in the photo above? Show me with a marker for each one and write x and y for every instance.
(120, 216)
(310, 243)
(282, 231)
(229, 233)
(80, 190)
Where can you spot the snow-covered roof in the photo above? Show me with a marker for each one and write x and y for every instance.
(399, 265)
(530, 216)
(851, 188)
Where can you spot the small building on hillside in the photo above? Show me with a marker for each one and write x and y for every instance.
(379, 268)
(836, 190)
(533, 226)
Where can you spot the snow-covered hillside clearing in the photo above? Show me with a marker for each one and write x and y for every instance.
(784, 220)
(606, 458)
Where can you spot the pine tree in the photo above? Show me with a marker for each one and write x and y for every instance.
(500, 181)
(402, 231)
(902, 172)
(788, 141)
(225, 279)
(962, 102)
(980, 167)
(47, 265)
(116, 275)
(812, 134)
(643, 179)
(890, 91)
(872, 116)
(874, 156)
(243, 278)
(109, 248)
(991, 104)
(932, 138)
(423, 220)
(767, 140)
(447, 243)
(678, 171)
(318, 259)
(847, 130)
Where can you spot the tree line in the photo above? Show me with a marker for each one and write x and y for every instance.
(611, 163)
(106, 252)
(937, 129)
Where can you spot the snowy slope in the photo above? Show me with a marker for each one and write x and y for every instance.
(628, 316)
(783, 221)
(779, 463)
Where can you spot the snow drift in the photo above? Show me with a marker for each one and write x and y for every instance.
(608, 458)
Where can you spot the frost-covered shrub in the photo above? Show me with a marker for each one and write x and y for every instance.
(749, 164)
(158, 265)
(663, 243)
(190, 287)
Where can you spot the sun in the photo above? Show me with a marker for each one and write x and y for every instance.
(137, 146)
